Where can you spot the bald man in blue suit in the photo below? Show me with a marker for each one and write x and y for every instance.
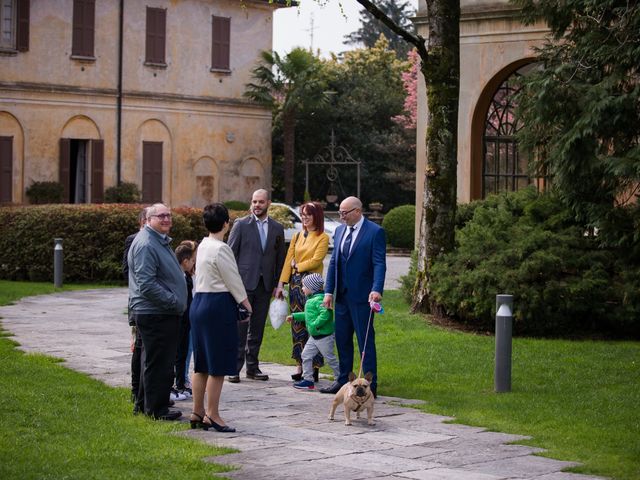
(355, 279)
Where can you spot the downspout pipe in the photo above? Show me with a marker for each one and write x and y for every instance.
(119, 96)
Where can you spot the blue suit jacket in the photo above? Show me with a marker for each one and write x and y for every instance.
(366, 265)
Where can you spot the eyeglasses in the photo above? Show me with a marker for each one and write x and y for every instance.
(343, 213)
(162, 216)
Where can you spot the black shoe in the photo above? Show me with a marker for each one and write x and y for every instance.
(316, 374)
(216, 426)
(257, 375)
(233, 379)
(296, 377)
(333, 388)
(170, 415)
(197, 422)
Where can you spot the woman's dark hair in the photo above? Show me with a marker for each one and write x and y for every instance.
(314, 210)
(215, 215)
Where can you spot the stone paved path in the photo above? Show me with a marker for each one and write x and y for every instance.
(283, 433)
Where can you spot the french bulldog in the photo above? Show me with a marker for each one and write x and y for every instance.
(355, 396)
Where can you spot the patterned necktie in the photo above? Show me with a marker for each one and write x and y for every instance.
(346, 246)
(263, 235)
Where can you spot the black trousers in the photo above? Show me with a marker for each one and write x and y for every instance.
(250, 333)
(136, 366)
(159, 334)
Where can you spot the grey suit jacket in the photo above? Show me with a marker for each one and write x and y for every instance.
(253, 263)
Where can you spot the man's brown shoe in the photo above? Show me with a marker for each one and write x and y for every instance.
(233, 379)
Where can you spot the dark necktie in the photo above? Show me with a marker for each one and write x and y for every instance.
(346, 246)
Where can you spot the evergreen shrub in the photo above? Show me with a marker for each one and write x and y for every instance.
(529, 245)
(40, 193)
(93, 239)
(126, 192)
(400, 226)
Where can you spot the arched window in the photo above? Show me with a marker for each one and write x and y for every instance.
(504, 168)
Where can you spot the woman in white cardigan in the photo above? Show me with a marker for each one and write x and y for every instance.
(214, 319)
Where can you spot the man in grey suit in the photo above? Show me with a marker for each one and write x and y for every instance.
(257, 242)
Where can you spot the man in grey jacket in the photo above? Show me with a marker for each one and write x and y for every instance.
(157, 299)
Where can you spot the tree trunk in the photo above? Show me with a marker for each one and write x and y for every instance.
(441, 71)
(289, 134)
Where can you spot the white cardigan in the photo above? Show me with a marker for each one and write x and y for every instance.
(217, 270)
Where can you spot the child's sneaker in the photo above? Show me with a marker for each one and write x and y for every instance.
(187, 393)
(304, 385)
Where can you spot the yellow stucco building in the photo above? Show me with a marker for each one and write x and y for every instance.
(97, 92)
(494, 47)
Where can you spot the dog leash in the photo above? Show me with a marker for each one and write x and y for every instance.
(375, 308)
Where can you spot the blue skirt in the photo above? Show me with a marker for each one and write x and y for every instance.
(214, 333)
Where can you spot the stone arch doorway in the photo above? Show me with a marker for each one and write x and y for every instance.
(81, 161)
(155, 168)
(496, 163)
(11, 159)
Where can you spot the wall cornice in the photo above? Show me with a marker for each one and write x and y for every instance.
(112, 93)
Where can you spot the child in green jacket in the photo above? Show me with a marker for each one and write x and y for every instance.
(320, 326)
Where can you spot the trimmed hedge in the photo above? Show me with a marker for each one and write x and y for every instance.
(529, 245)
(93, 239)
(236, 205)
(400, 226)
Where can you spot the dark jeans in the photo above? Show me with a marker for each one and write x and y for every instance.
(250, 333)
(183, 350)
(159, 334)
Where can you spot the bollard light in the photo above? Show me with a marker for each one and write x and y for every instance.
(57, 263)
(504, 326)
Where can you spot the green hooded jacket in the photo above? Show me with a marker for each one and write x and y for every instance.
(319, 319)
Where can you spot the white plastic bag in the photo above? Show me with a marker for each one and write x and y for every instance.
(278, 311)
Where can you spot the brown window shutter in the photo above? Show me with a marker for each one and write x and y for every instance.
(22, 37)
(150, 36)
(83, 28)
(156, 35)
(161, 35)
(6, 169)
(76, 40)
(221, 42)
(151, 172)
(89, 27)
(97, 171)
(65, 166)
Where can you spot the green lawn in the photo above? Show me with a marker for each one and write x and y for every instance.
(56, 423)
(576, 399)
(12, 291)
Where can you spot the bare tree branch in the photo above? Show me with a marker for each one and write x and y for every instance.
(417, 40)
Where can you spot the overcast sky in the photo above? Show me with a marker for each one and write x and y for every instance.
(292, 26)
